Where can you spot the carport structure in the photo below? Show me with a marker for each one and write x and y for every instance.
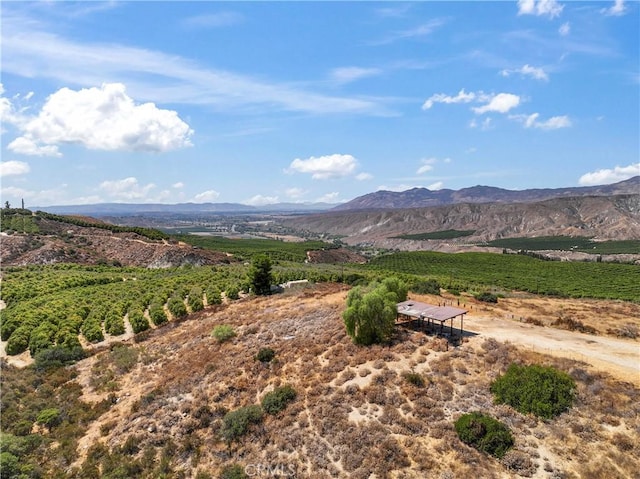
(411, 310)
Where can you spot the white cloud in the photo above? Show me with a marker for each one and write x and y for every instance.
(424, 169)
(461, 97)
(325, 167)
(527, 70)
(126, 189)
(501, 103)
(606, 176)
(553, 123)
(24, 145)
(259, 200)
(31, 52)
(564, 29)
(420, 31)
(617, 9)
(332, 197)
(364, 176)
(295, 193)
(550, 8)
(213, 20)
(435, 186)
(104, 118)
(14, 168)
(484, 125)
(345, 75)
(206, 196)
(178, 185)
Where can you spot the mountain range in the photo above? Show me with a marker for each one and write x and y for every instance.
(383, 199)
(423, 197)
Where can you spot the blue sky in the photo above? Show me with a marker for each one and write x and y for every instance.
(263, 102)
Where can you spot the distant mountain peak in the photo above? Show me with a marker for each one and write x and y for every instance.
(423, 197)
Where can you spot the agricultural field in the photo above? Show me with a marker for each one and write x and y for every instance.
(246, 248)
(568, 243)
(476, 271)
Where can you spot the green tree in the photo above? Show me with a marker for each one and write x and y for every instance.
(370, 315)
(49, 417)
(260, 274)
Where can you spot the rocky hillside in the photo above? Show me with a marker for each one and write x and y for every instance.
(422, 197)
(59, 242)
(616, 217)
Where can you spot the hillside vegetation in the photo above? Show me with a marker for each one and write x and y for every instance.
(180, 404)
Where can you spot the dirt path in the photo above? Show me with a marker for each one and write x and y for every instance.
(619, 357)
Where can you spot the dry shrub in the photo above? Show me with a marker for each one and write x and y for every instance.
(534, 321)
(519, 462)
(347, 375)
(623, 442)
(364, 372)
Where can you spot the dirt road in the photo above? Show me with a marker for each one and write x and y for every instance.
(619, 357)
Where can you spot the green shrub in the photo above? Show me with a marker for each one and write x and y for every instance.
(484, 433)
(195, 299)
(233, 292)
(18, 341)
(275, 401)
(57, 356)
(157, 313)
(138, 321)
(223, 332)
(414, 378)
(214, 296)
(486, 297)
(236, 423)
(176, 307)
(49, 417)
(265, 355)
(430, 286)
(233, 471)
(543, 391)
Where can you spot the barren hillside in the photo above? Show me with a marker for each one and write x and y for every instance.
(66, 243)
(616, 217)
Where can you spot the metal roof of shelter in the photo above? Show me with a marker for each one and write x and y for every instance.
(417, 309)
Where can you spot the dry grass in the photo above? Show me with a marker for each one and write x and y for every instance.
(355, 414)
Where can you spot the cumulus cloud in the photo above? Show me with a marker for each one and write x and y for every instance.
(617, 9)
(26, 146)
(345, 75)
(564, 29)
(104, 118)
(461, 97)
(550, 8)
(553, 123)
(435, 186)
(260, 200)
(325, 167)
(178, 185)
(126, 189)
(527, 70)
(14, 168)
(501, 103)
(606, 176)
(206, 196)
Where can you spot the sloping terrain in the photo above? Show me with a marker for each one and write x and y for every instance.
(422, 197)
(616, 217)
(355, 415)
(67, 243)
